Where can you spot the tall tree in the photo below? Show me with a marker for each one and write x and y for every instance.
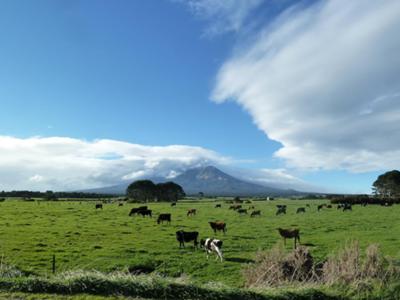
(169, 191)
(142, 190)
(387, 185)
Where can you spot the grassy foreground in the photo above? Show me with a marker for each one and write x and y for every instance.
(107, 240)
(94, 285)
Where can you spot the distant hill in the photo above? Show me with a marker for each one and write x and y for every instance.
(209, 180)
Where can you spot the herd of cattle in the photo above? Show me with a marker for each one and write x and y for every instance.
(214, 245)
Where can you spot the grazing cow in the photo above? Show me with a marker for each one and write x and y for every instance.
(300, 210)
(255, 213)
(145, 212)
(329, 206)
(235, 207)
(290, 234)
(212, 245)
(164, 217)
(281, 210)
(218, 225)
(217, 205)
(183, 236)
(120, 204)
(191, 212)
(242, 211)
(347, 206)
(173, 204)
(320, 207)
(99, 206)
(280, 206)
(136, 210)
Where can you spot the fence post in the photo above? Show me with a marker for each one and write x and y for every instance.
(54, 264)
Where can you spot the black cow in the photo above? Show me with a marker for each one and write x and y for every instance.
(164, 217)
(183, 236)
(300, 210)
(173, 204)
(217, 205)
(242, 211)
(99, 206)
(145, 212)
(136, 210)
(255, 213)
(281, 210)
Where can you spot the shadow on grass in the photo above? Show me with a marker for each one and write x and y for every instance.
(308, 244)
(239, 260)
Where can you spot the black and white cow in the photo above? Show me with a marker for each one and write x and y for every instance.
(212, 245)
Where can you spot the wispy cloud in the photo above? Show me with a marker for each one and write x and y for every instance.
(277, 178)
(311, 81)
(62, 163)
(222, 15)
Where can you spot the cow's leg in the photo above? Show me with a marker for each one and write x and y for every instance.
(219, 253)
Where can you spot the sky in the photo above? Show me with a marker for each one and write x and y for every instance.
(292, 94)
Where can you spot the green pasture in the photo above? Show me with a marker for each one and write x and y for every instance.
(84, 238)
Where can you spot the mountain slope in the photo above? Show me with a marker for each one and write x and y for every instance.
(209, 180)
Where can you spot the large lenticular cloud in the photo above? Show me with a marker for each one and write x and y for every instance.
(62, 163)
(324, 81)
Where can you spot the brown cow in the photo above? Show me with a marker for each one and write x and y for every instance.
(235, 207)
(218, 225)
(255, 213)
(290, 234)
(191, 212)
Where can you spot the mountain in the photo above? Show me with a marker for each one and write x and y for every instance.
(209, 180)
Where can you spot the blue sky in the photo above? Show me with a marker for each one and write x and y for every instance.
(86, 81)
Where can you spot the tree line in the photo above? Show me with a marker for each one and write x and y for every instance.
(50, 195)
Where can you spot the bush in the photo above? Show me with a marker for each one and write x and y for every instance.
(346, 269)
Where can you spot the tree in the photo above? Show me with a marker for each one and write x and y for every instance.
(387, 185)
(169, 191)
(142, 190)
(49, 195)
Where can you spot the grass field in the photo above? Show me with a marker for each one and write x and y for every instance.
(108, 239)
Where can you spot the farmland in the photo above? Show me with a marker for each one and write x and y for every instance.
(81, 237)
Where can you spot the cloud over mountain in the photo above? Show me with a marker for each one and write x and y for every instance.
(324, 81)
(62, 163)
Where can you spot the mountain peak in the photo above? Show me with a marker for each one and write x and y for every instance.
(212, 182)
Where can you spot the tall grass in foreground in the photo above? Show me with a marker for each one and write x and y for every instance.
(275, 274)
(347, 270)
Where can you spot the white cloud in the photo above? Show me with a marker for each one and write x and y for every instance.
(36, 178)
(277, 178)
(62, 163)
(324, 81)
(223, 15)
